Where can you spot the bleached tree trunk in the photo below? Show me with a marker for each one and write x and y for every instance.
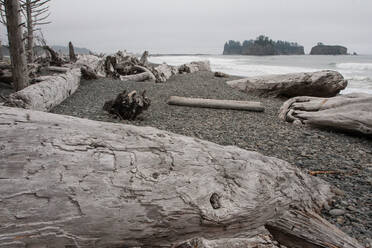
(74, 182)
(1, 51)
(17, 50)
(30, 33)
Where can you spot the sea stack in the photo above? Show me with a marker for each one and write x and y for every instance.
(322, 49)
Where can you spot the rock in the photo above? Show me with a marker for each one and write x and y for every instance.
(220, 74)
(340, 220)
(195, 67)
(350, 112)
(321, 49)
(322, 84)
(337, 212)
(351, 208)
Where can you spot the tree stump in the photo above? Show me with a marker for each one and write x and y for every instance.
(128, 106)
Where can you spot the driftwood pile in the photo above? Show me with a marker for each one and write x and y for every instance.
(128, 106)
(127, 67)
(83, 183)
(350, 112)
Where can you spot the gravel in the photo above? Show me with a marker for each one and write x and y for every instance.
(308, 148)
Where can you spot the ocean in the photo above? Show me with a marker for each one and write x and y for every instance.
(356, 69)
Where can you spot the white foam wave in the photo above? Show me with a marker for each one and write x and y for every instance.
(355, 66)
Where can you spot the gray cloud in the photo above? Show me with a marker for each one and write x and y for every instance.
(202, 26)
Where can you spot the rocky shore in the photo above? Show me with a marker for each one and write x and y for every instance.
(348, 157)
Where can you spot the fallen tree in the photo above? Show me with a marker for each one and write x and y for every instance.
(320, 84)
(216, 104)
(83, 183)
(46, 94)
(351, 112)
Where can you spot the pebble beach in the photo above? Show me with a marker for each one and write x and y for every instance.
(348, 156)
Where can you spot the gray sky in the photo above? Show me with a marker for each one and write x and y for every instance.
(203, 26)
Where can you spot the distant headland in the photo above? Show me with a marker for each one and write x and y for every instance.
(263, 45)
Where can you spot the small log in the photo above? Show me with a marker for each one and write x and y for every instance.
(216, 104)
(71, 50)
(58, 69)
(128, 106)
(47, 94)
(144, 76)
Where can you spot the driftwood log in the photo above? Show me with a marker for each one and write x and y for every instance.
(319, 84)
(73, 182)
(350, 112)
(216, 104)
(47, 94)
(128, 106)
(141, 77)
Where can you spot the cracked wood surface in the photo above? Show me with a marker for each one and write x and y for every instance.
(74, 182)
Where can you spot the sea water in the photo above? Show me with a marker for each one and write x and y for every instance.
(356, 69)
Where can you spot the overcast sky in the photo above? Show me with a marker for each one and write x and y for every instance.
(203, 26)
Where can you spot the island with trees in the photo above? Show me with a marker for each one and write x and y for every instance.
(263, 45)
(321, 49)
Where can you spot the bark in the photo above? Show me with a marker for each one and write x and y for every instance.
(30, 33)
(17, 50)
(72, 52)
(128, 106)
(216, 104)
(320, 84)
(351, 112)
(82, 183)
(47, 94)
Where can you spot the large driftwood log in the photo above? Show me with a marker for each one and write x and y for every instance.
(73, 182)
(163, 72)
(195, 67)
(47, 94)
(321, 84)
(128, 106)
(216, 104)
(351, 112)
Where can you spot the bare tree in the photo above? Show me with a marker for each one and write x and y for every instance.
(36, 13)
(10, 11)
